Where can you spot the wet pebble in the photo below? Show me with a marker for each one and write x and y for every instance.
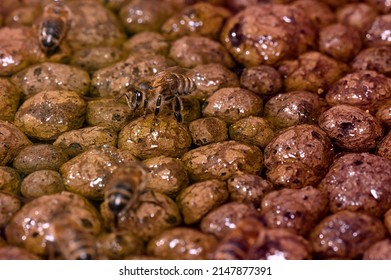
(319, 13)
(42, 182)
(378, 35)
(351, 128)
(345, 235)
(47, 114)
(312, 71)
(367, 90)
(232, 104)
(190, 51)
(248, 188)
(235, 245)
(9, 180)
(20, 48)
(182, 244)
(359, 182)
(148, 137)
(212, 77)
(383, 114)
(9, 100)
(9, 205)
(147, 41)
(138, 15)
(261, 79)
(10, 252)
(374, 59)
(74, 142)
(380, 250)
(201, 18)
(38, 157)
(384, 147)
(23, 16)
(93, 58)
(49, 76)
(30, 228)
(87, 173)
(293, 108)
(357, 15)
(208, 130)
(252, 130)
(279, 26)
(167, 175)
(119, 244)
(93, 25)
(200, 198)
(387, 220)
(12, 140)
(225, 218)
(297, 210)
(222, 160)
(108, 112)
(340, 41)
(303, 150)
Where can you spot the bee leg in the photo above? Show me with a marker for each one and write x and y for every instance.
(177, 108)
(129, 97)
(138, 99)
(145, 106)
(115, 221)
(157, 109)
(158, 105)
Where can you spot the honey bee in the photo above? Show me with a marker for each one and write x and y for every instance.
(124, 188)
(53, 26)
(238, 242)
(169, 85)
(71, 241)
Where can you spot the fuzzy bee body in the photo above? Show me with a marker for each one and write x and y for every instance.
(238, 242)
(71, 241)
(168, 85)
(53, 26)
(124, 188)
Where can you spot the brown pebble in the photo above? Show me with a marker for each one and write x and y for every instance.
(345, 235)
(225, 218)
(200, 198)
(148, 137)
(297, 210)
(87, 173)
(166, 175)
(380, 250)
(12, 140)
(248, 188)
(119, 244)
(262, 79)
(222, 160)
(232, 104)
(182, 244)
(359, 182)
(47, 114)
(30, 228)
(76, 141)
(208, 130)
(351, 128)
(42, 182)
(38, 157)
(9, 180)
